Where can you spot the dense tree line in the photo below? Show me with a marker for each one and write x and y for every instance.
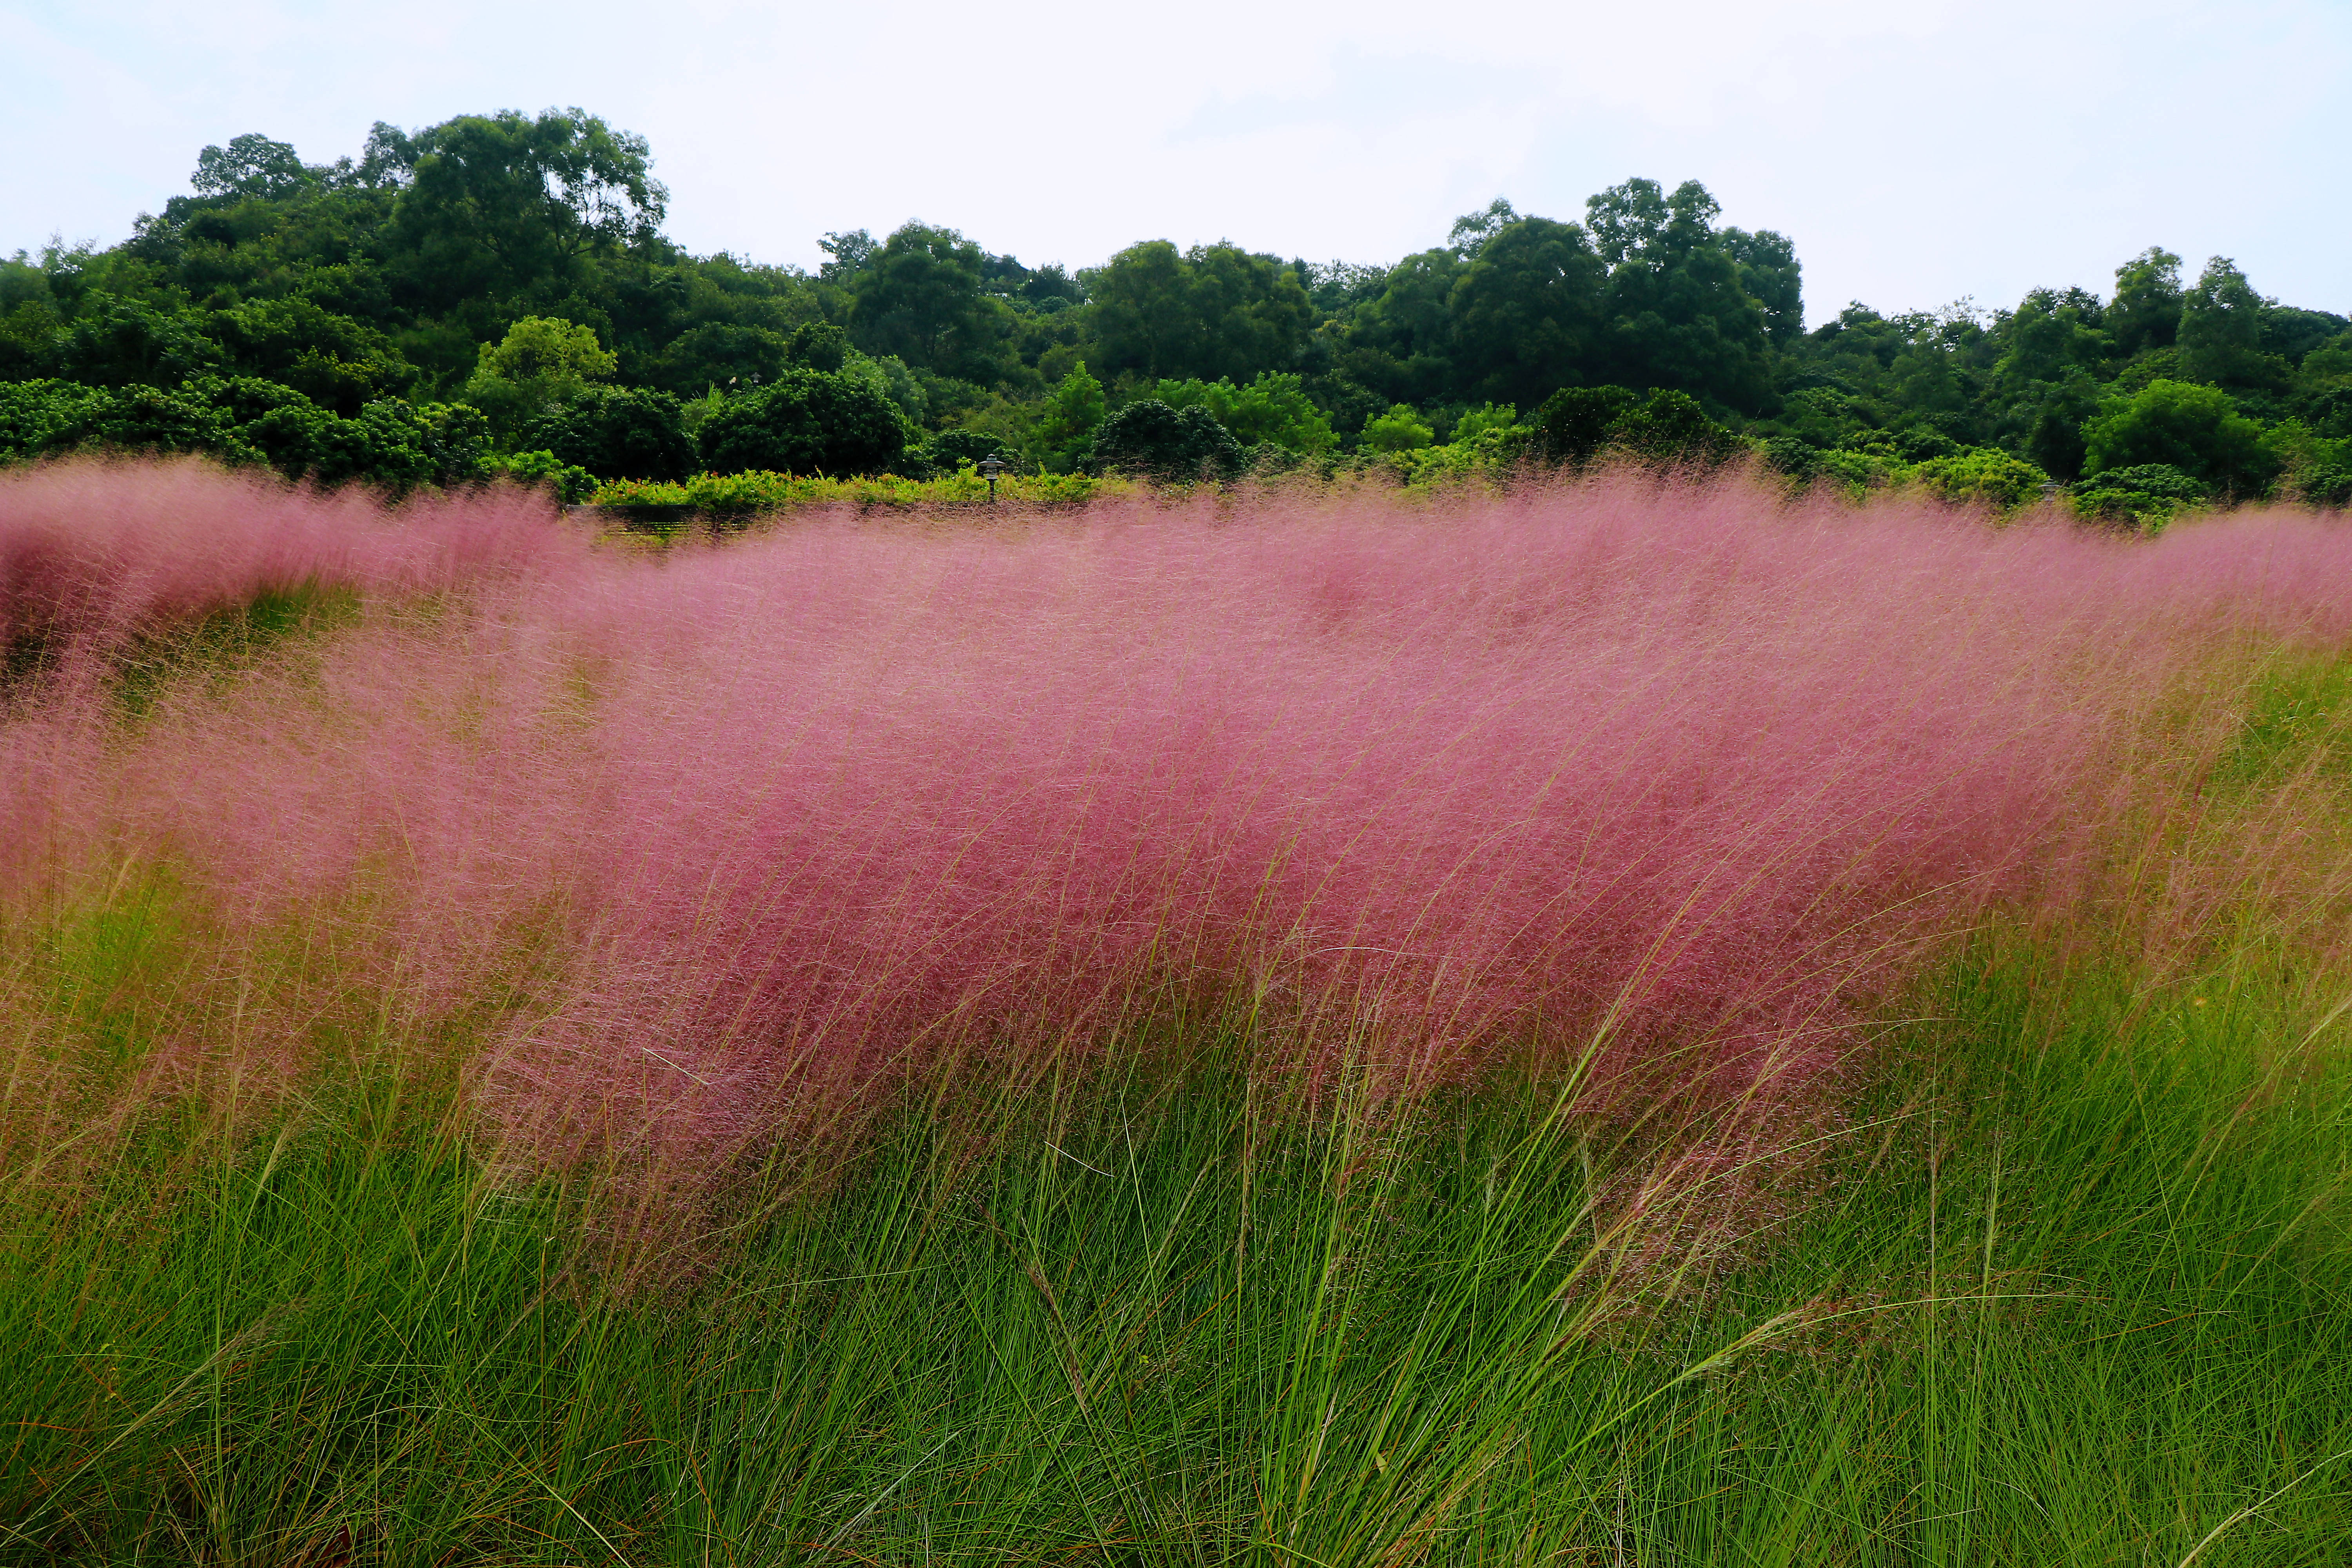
(496, 292)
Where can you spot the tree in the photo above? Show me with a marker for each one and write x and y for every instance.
(1152, 439)
(1399, 430)
(150, 419)
(1981, 476)
(40, 417)
(1678, 314)
(919, 298)
(251, 165)
(1574, 424)
(1402, 342)
(808, 422)
(722, 355)
(2146, 311)
(1064, 432)
(1471, 231)
(336, 361)
(541, 362)
(616, 432)
(2053, 440)
(1772, 276)
(819, 345)
(851, 254)
(1671, 430)
(1274, 407)
(116, 342)
(2222, 329)
(498, 203)
(1527, 312)
(2196, 429)
(2145, 495)
(1214, 310)
(2050, 335)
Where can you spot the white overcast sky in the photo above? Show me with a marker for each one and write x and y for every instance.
(1916, 153)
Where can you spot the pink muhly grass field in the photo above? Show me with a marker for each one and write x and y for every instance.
(1676, 783)
(94, 553)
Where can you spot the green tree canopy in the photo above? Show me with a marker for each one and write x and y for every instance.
(1274, 407)
(1399, 430)
(1213, 311)
(1152, 439)
(722, 355)
(1527, 313)
(1679, 315)
(541, 362)
(498, 203)
(113, 340)
(616, 432)
(251, 165)
(1770, 275)
(2146, 311)
(1065, 431)
(808, 422)
(2196, 429)
(2222, 329)
(919, 296)
(1402, 342)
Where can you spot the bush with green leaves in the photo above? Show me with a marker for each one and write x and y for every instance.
(1982, 476)
(2145, 495)
(1671, 430)
(1792, 456)
(390, 443)
(542, 361)
(2329, 487)
(808, 422)
(41, 417)
(1575, 422)
(617, 432)
(1399, 430)
(570, 483)
(1151, 440)
(2199, 430)
(1272, 407)
(948, 450)
(1062, 437)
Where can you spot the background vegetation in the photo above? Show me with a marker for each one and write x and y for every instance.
(495, 294)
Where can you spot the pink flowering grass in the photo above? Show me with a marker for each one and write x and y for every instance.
(1667, 788)
(94, 553)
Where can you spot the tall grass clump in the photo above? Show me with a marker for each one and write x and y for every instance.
(95, 553)
(1660, 787)
(1627, 1023)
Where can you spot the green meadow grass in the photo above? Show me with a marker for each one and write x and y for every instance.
(2066, 1284)
(2061, 1279)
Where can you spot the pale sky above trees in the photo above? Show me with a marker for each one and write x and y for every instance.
(1914, 153)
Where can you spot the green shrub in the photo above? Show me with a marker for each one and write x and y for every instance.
(1574, 424)
(1985, 477)
(2195, 429)
(2145, 495)
(1154, 441)
(1273, 408)
(570, 483)
(613, 432)
(1671, 430)
(1399, 430)
(809, 422)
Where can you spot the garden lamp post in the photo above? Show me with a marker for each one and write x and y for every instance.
(990, 468)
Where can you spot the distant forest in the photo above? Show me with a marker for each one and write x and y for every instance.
(496, 293)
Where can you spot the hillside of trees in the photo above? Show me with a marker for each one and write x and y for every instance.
(494, 293)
